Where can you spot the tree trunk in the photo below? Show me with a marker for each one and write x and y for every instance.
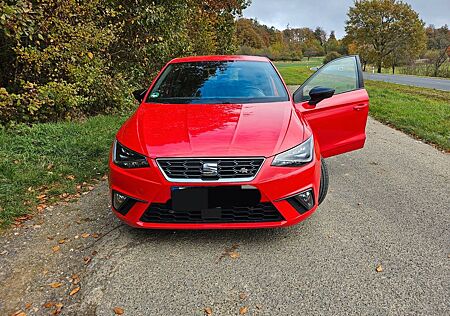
(393, 69)
(364, 66)
(379, 68)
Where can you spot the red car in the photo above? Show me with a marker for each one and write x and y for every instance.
(219, 142)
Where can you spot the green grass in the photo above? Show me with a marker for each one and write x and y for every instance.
(423, 113)
(294, 73)
(51, 159)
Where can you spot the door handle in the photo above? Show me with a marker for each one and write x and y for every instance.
(359, 107)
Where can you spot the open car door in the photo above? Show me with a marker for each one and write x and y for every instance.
(336, 105)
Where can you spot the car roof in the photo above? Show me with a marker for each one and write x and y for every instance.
(218, 58)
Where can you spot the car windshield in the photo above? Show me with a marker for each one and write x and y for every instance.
(212, 82)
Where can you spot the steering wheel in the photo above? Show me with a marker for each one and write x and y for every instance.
(259, 92)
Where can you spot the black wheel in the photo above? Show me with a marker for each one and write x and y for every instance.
(323, 181)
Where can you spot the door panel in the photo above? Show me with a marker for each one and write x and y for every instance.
(339, 122)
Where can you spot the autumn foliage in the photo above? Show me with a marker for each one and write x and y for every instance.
(63, 59)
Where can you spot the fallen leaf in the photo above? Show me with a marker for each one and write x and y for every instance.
(70, 177)
(28, 305)
(55, 285)
(242, 296)
(55, 248)
(90, 55)
(231, 252)
(243, 310)
(95, 235)
(118, 310)
(234, 255)
(85, 235)
(58, 309)
(19, 313)
(74, 291)
(208, 311)
(379, 268)
(50, 166)
(61, 241)
(42, 196)
(87, 259)
(49, 304)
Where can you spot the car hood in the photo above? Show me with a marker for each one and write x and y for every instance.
(212, 130)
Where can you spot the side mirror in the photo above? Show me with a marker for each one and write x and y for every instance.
(139, 94)
(317, 94)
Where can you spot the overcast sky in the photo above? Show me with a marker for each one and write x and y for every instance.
(331, 14)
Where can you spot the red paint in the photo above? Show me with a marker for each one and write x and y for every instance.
(234, 130)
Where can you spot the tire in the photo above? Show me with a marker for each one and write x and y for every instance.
(324, 179)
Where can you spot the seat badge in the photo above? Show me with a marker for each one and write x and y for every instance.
(209, 169)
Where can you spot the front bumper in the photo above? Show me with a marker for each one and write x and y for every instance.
(276, 185)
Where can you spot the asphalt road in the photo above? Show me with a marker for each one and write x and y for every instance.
(388, 205)
(426, 82)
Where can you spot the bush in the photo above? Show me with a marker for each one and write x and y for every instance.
(330, 56)
(66, 59)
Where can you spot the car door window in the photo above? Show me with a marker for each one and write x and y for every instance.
(340, 74)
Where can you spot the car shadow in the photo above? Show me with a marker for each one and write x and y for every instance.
(247, 236)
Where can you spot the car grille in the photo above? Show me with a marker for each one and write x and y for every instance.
(228, 170)
(163, 213)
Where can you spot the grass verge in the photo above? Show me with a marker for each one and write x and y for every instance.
(421, 112)
(52, 161)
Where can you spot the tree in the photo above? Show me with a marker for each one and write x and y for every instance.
(331, 56)
(321, 36)
(332, 43)
(438, 46)
(387, 27)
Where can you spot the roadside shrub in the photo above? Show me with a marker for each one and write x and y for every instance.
(330, 56)
(63, 59)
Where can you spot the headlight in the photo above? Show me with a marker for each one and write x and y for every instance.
(296, 156)
(126, 158)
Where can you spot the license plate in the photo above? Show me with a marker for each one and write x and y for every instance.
(189, 198)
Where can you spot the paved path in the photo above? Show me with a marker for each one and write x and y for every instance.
(388, 204)
(426, 82)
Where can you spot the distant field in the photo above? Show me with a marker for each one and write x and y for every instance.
(423, 113)
(295, 73)
(417, 70)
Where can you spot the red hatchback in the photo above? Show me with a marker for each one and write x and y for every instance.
(219, 142)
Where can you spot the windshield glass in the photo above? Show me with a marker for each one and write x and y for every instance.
(213, 82)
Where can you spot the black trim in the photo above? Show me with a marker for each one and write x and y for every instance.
(164, 213)
(298, 94)
(360, 73)
(299, 207)
(127, 205)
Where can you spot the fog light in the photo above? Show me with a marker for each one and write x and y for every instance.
(306, 198)
(119, 200)
(123, 203)
(302, 202)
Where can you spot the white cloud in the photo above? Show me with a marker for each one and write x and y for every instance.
(331, 15)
